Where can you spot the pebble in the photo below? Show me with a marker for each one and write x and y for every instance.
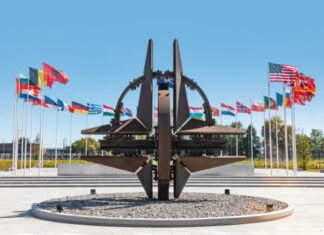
(137, 205)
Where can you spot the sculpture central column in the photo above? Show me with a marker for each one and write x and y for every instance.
(164, 142)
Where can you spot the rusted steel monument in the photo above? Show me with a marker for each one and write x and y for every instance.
(168, 151)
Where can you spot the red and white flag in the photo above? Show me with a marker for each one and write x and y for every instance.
(257, 106)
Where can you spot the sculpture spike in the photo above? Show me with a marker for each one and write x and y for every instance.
(144, 112)
(180, 101)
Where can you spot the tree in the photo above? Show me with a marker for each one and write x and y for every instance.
(303, 150)
(79, 145)
(316, 141)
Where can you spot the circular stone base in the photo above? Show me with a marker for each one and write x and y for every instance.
(135, 209)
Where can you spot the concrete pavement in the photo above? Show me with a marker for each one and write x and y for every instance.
(308, 217)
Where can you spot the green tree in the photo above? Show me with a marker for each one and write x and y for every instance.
(79, 145)
(303, 150)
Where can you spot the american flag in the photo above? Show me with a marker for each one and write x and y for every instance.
(282, 73)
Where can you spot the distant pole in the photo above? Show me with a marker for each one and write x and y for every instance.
(30, 138)
(41, 129)
(43, 124)
(56, 140)
(25, 155)
(236, 136)
(102, 122)
(286, 134)
(71, 139)
(221, 122)
(276, 120)
(270, 138)
(13, 156)
(293, 134)
(86, 145)
(22, 137)
(17, 128)
(265, 140)
(251, 133)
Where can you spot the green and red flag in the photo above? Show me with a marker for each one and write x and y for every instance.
(270, 103)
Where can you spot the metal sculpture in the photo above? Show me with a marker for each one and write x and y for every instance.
(166, 150)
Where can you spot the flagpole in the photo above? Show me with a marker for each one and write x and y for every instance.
(40, 128)
(43, 137)
(277, 139)
(102, 122)
(25, 155)
(293, 134)
(71, 139)
(14, 132)
(30, 141)
(86, 145)
(236, 136)
(286, 138)
(17, 127)
(22, 137)
(221, 122)
(56, 140)
(269, 110)
(265, 140)
(251, 133)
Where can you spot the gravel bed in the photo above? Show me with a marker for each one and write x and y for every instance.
(137, 205)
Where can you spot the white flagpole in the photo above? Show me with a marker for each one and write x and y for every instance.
(293, 134)
(22, 137)
(56, 140)
(25, 155)
(43, 137)
(13, 156)
(265, 140)
(251, 133)
(17, 133)
(102, 122)
(30, 141)
(86, 145)
(41, 129)
(270, 140)
(71, 139)
(236, 136)
(277, 149)
(221, 122)
(286, 137)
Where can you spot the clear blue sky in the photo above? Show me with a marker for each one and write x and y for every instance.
(101, 46)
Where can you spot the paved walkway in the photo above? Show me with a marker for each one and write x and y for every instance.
(308, 217)
(258, 172)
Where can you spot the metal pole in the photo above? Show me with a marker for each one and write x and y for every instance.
(30, 141)
(22, 137)
(270, 138)
(102, 121)
(251, 133)
(236, 136)
(17, 128)
(71, 139)
(43, 137)
(265, 141)
(13, 156)
(277, 140)
(293, 135)
(40, 138)
(25, 155)
(86, 145)
(56, 140)
(286, 134)
(221, 122)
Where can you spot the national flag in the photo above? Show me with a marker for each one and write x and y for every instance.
(37, 77)
(31, 98)
(126, 112)
(215, 111)
(283, 103)
(257, 106)
(79, 108)
(299, 101)
(282, 73)
(156, 112)
(304, 85)
(303, 97)
(94, 109)
(241, 108)
(227, 110)
(64, 106)
(51, 103)
(196, 111)
(108, 111)
(29, 92)
(54, 75)
(273, 104)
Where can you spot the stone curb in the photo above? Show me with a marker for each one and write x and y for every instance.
(106, 221)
